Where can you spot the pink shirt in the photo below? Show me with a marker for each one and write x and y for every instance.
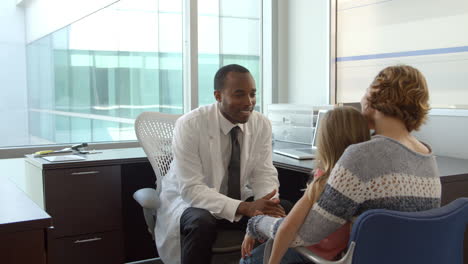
(329, 247)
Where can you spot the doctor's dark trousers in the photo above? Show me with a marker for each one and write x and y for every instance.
(198, 229)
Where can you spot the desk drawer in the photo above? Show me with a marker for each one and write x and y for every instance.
(99, 248)
(83, 200)
(24, 247)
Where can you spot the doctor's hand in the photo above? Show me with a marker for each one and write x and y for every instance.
(266, 205)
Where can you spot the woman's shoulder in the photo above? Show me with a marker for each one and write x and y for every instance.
(364, 149)
(364, 156)
(378, 146)
(381, 155)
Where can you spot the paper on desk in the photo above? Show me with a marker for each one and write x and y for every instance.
(63, 158)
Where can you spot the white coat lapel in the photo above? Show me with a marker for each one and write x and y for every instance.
(215, 146)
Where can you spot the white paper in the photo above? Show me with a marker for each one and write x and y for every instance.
(63, 158)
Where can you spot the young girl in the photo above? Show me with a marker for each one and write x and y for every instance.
(340, 128)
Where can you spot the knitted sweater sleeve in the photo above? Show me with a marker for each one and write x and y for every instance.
(338, 204)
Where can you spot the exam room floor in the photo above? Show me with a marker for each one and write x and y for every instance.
(232, 258)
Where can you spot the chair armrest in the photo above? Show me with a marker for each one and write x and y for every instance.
(347, 259)
(147, 198)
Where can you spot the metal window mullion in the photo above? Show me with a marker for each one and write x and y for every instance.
(220, 36)
(50, 48)
(93, 90)
(190, 68)
(333, 47)
(262, 109)
(269, 53)
(160, 89)
(69, 84)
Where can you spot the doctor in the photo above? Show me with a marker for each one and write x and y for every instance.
(222, 172)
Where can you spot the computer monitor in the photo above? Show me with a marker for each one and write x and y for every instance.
(304, 153)
(320, 115)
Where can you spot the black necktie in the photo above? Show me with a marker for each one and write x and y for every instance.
(234, 166)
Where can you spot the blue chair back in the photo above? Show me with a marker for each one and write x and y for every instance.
(391, 237)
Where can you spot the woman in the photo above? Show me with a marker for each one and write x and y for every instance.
(393, 170)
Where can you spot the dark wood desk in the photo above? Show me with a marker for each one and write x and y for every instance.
(95, 219)
(22, 227)
(122, 172)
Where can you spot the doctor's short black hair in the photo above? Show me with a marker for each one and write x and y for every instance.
(221, 74)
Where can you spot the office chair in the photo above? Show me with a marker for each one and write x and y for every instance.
(154, 131)
(389, 237)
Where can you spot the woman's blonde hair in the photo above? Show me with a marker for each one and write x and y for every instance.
(401, 92)
(339, 128)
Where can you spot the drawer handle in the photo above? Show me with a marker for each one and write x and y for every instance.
(85, 172)
(88, 240)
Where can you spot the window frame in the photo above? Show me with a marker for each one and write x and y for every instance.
(190, 81)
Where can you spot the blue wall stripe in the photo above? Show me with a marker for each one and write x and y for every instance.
(404, 54)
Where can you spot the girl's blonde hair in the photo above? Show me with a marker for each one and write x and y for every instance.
(339, 128)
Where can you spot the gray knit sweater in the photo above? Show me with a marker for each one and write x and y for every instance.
(380, 173)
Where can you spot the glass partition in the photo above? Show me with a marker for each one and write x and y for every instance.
(88, 81)
(228, 32)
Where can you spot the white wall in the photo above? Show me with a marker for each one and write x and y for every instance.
(13, 99)
(370, 27)
(430, 35)
(43, 17)
(446, 132)
(15, 167)
(283, 52)
(303, 51)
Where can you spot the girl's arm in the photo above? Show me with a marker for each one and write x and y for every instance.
(336, 205)
(288, 229)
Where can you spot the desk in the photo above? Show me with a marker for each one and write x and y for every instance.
(120, 172)
(22, 227)
(95, 218)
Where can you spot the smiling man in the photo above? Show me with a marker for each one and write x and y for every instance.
(222, 172)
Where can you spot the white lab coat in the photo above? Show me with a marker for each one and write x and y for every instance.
(197, 171)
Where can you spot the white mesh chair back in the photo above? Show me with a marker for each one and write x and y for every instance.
(154, 131)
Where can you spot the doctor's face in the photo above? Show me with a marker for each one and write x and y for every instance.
(237, 97)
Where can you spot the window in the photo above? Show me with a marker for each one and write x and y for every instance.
(228, 32)
(88, 81)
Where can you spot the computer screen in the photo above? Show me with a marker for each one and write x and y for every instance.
(320, 115)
